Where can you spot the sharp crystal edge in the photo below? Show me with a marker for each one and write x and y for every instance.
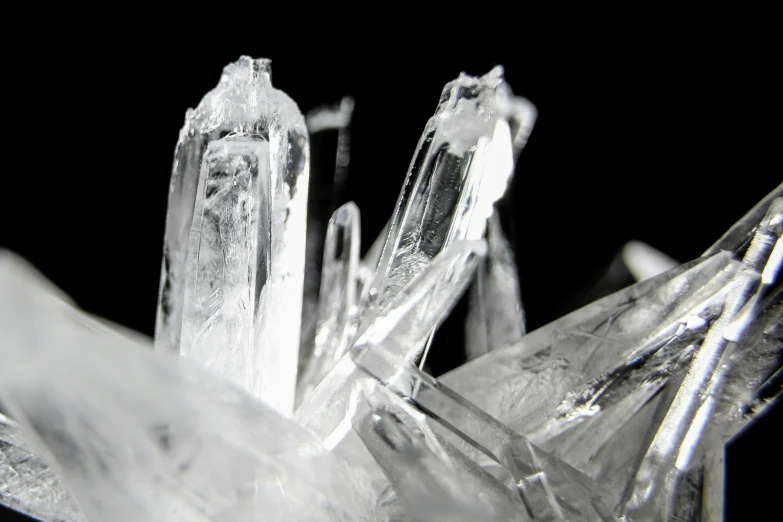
(234, 251)
(329, 128)
(495, 315)
(461, 167)
(28, 484)
(337, 301)
(138, 437)
(617, 411)
(563, 387)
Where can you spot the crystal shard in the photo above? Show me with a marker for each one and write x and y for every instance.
(138, 437)
(461, 167)
(233, 265)
(680, 431)
(28, 484)
(402, 327)
(433, 478)
(330, 139)
(495, 315)
(549, 488)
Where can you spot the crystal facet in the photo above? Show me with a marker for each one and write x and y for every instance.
(617, 411)
(233, 266)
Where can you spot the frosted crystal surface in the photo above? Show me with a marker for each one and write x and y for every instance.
(27, 483)
(137, 437)
(618, 411)
(233, 265)
(495, 316)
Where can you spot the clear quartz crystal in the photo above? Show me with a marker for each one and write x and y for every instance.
(617, 411)
(329, 128)
(461, 167)
(675, 442)
(337, 302)
(233, 267)
(495, 315)
(598, 387)
(137, 437)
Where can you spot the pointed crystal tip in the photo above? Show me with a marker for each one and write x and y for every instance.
(242, 102)
(247, 69)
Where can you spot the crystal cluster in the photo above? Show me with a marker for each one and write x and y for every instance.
(284, 388)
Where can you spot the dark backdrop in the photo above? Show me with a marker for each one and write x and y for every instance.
(649, 132)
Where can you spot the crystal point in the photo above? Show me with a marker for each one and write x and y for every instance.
(233, 266)
(461, 167)
(617, 411)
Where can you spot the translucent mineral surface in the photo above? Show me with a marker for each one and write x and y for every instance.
(233, 263)
(299, 392)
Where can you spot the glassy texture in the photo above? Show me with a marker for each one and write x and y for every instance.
(617, 411)
(496, 316)
(234, 254)
(136, 437)
(460, 168)
(330, 153)
(337, 302)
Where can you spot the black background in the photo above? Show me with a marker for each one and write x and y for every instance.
(657, 131)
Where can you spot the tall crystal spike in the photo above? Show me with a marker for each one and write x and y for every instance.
(337, 301)
(329, 128)
(550, 489)
(495, 314)
(233, 265)
(28, 484)
(461, 167)
(402, 327)
(138, 437)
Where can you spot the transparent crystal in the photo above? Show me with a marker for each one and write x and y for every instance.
(330, 140)
(496, 316)
(137, 437)
(235, 236)
(617, 411)
(461, 167)
(28, 484)
(337, 301)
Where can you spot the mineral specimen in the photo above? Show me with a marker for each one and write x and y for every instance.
(233, 261)
(300, 393)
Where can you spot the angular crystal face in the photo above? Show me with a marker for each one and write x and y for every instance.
(617, 411)
(234, 254)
